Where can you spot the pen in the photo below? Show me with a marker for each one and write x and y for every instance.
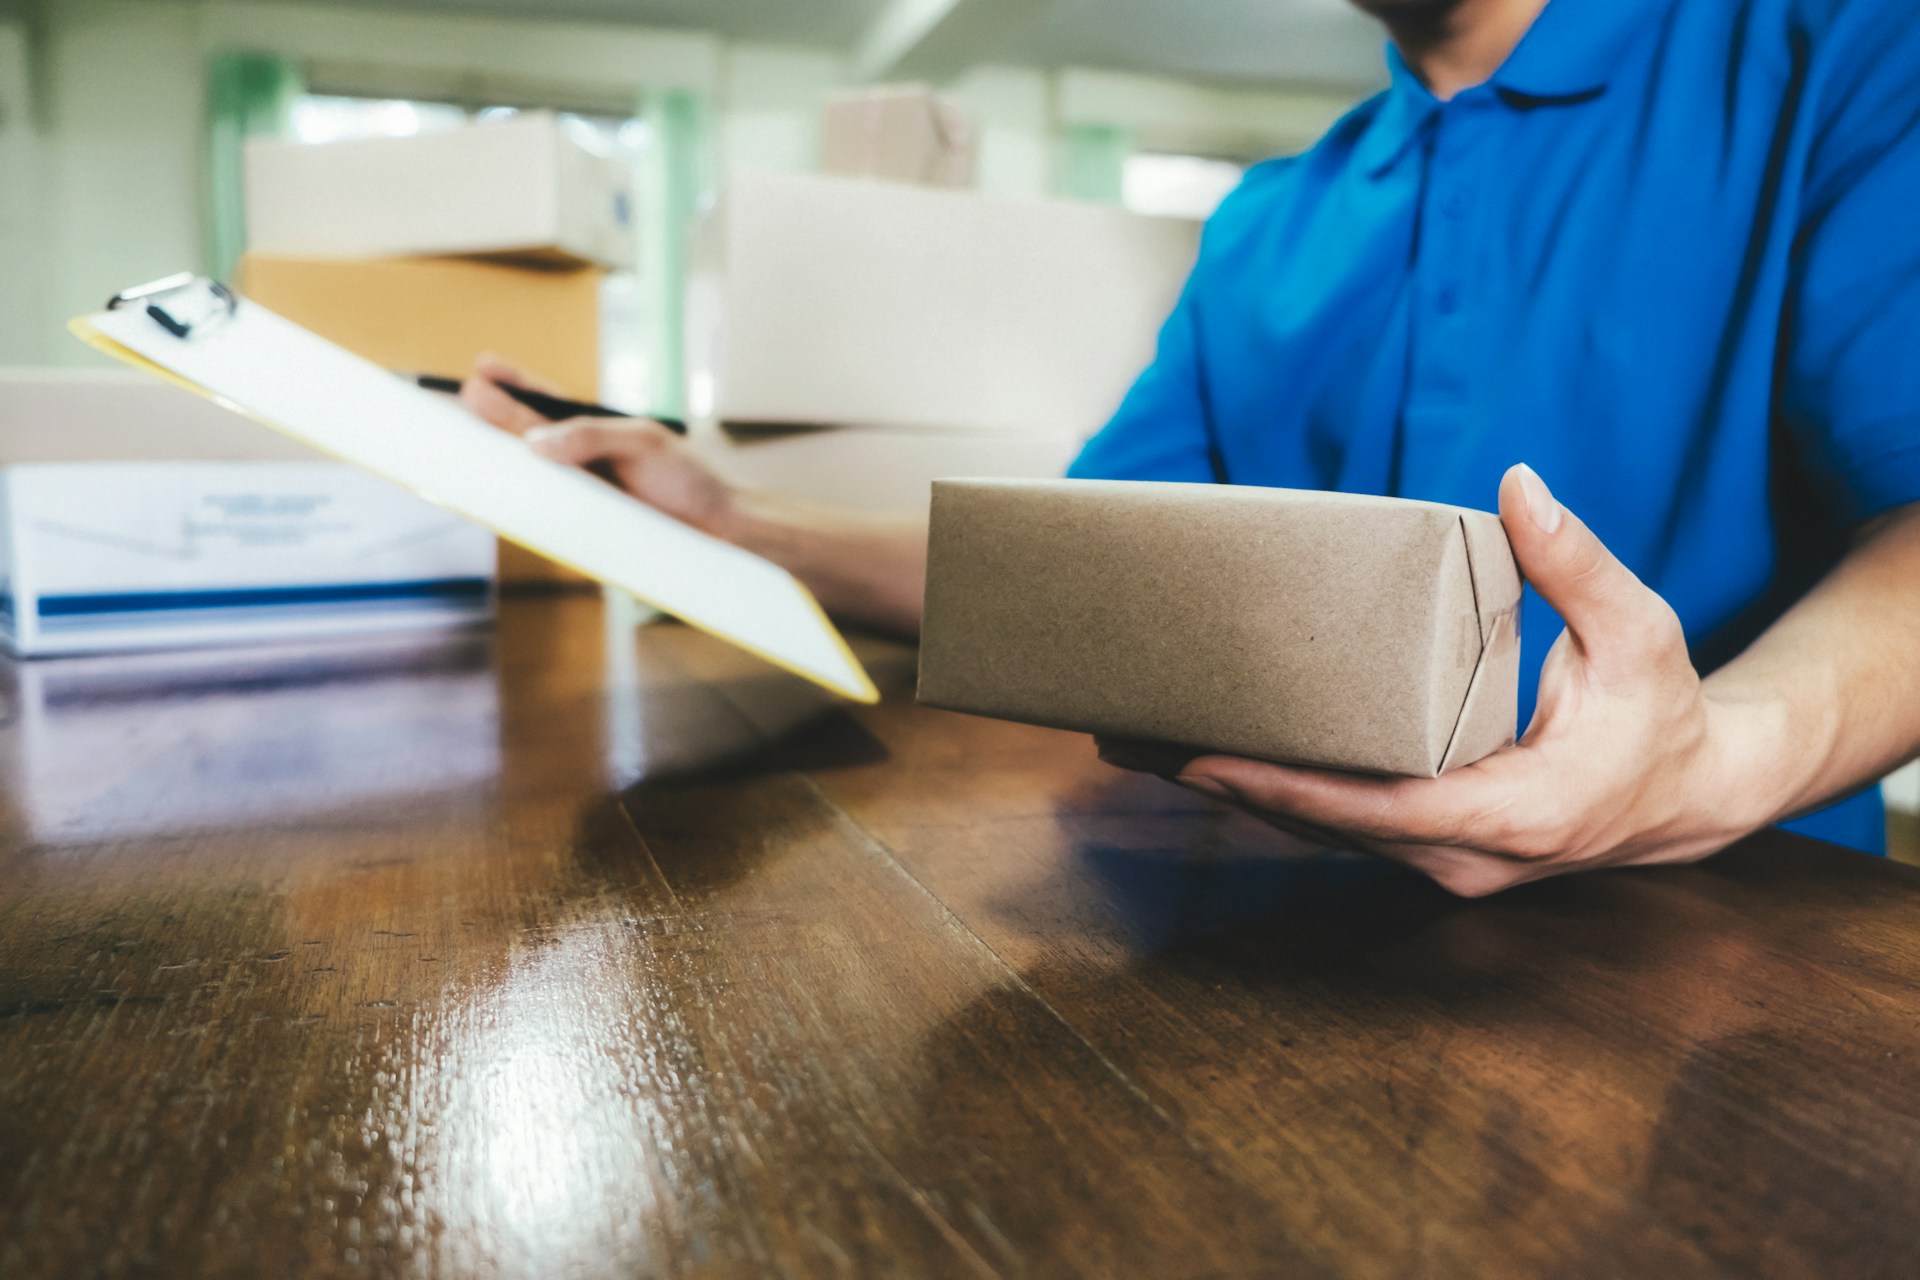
(552, 408)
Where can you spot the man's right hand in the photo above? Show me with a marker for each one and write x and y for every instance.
(649, 462)
(872, 568)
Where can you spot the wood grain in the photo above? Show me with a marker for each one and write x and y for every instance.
(566, 951)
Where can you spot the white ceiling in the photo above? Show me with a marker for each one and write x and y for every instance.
(1265, 41)
(828, 22)
(1300, 41)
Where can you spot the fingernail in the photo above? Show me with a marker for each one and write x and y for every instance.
(1542, 507)
(1202, 783)
(541, 435)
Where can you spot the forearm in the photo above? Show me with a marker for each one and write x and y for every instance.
(1828, 699)
(870, 568)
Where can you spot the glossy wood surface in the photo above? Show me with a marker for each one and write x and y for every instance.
(566, 951)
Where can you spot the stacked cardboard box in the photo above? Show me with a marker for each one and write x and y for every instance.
(937, 333)
(434, 315)
(520, 188)
(134, 515)
(117, 415)
(902, 133)
(422, 253)
(877, 471)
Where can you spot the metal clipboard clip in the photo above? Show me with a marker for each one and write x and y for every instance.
(193, 303)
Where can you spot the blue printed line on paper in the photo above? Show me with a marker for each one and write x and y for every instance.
(446, 589)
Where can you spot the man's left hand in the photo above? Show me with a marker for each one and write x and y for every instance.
(1628, 760)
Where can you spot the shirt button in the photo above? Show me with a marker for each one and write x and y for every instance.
(1457, 203)
(1447, 300)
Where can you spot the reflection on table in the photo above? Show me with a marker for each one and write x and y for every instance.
(576, 949)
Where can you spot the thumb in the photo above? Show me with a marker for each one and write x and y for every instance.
(1611, 615)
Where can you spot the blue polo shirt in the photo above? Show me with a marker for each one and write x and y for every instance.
(1669, 255)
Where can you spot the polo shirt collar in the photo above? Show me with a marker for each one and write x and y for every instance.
(1568, 56)
(1574, 48)
(1404, 111)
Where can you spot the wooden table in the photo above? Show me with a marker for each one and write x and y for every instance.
(557, 952)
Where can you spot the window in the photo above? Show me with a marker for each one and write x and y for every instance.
(1177, 186)
(327, 118)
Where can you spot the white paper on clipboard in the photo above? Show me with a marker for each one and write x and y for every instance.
(287, 378)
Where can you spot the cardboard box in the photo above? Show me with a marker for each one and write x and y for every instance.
(1368, 634)
(838, 302)
(881, 471)
(520, 188)
(115, 415)
(98, 556)
(435, 315)
(902, 133)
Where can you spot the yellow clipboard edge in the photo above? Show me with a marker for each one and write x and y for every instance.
(82, 328)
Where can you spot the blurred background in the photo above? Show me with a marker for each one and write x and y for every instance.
(912, 237)
(122, 121)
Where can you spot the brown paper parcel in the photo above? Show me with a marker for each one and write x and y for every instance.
(1371, 634)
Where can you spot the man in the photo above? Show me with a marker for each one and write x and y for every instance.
(1665, 250)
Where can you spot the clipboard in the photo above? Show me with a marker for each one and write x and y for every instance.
(199, 335)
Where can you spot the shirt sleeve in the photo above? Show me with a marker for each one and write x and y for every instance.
(1850, 372)
(1160, 431)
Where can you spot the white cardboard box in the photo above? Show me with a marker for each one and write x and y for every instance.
(101, 556)
(881, 471)
(519, 187)
(117, 415)
(902, 133)
(849, 302)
